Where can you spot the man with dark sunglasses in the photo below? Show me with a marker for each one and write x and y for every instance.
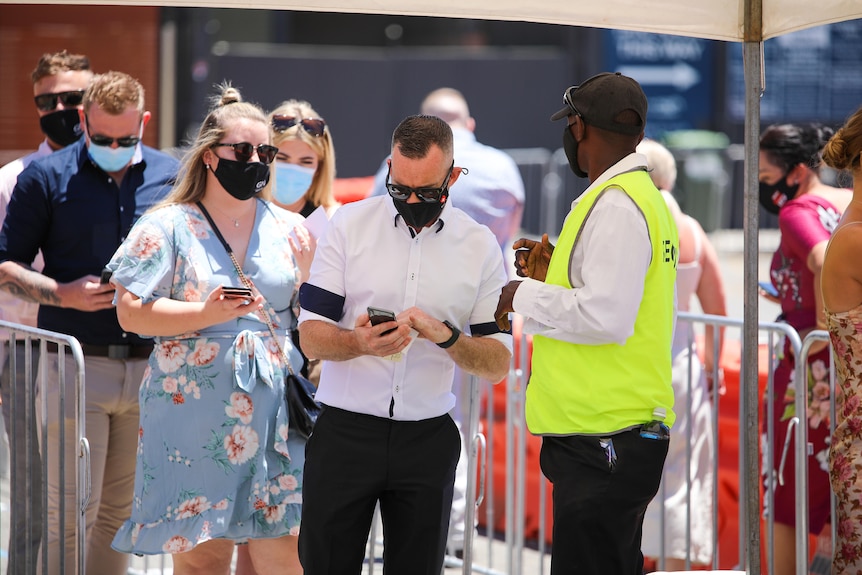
(59, 81)
(601, 306)
(76, 206)
(385, 434)
(493, 195)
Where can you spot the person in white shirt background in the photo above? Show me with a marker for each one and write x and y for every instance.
(59, 81)
(699, 275)
(385, 434)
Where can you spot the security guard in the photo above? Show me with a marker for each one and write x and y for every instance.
(601, 306)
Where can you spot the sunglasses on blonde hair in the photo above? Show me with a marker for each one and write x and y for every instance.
(314, 126)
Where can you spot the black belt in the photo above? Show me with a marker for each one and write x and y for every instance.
(114, 351)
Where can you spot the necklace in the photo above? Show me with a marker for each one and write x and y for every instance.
(234, 220)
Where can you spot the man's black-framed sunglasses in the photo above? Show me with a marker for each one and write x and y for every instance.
(428, 195)
(100, 140)
(244, 151)
(48, 102)
(314, 126)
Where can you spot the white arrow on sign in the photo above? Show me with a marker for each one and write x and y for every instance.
(679, 75)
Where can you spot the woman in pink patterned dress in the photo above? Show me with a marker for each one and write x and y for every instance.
(842, 297)
(808, 210)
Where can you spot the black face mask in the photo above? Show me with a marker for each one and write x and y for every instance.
(242, 180)
(570, 145)
(774, 196)
(62, 127)
(420, 214)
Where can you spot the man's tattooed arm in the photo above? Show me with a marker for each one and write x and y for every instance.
(27, 284)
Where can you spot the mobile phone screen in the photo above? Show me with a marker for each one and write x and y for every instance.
(378, 316)
(106, 276)
(236, 292)
(768, 288)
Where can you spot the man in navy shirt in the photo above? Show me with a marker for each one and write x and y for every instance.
(76, 206)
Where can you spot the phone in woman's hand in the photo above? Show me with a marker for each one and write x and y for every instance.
(236, 292)
(768, 288)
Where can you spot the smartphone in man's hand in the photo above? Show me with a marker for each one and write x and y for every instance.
(378, 316)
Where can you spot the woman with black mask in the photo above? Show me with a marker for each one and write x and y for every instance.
(808, 211)
(217, 462)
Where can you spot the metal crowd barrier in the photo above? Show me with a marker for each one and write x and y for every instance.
(35, 377)
(512, 559)
(505, 552)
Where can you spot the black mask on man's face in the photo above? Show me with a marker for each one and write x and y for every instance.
(62, 127)
(242, 180)
(570, 146)
(420, 214)
(773, 196)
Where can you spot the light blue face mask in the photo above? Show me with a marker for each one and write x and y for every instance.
(111, 159)
(291, 182)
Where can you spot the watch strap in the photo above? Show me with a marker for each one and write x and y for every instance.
(456, 333)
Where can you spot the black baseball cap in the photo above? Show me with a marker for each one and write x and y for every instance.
(601, 99)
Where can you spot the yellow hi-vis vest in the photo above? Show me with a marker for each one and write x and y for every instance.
(596, 389)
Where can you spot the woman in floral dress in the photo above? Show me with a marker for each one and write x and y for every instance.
(808, 211)
(842, 297)
(216, 461)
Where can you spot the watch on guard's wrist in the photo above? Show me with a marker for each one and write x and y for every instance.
(456, 333)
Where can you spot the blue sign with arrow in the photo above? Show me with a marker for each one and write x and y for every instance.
(676, 74)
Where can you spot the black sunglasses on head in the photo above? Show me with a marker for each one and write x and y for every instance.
(314, 126)
(244, 150)
(428, 195)
(48, 102)
(100, 140)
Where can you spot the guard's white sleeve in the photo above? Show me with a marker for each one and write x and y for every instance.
(607, 269)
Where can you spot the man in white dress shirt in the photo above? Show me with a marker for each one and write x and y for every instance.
(59, 81)
(386, 434)
(493, 195)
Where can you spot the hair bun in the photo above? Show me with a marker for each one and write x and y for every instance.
(835, 152)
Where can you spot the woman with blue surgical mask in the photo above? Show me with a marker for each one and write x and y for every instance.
(303, 175)
(305, 164)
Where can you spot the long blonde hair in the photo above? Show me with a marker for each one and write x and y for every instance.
(227, 108)
(320, 191)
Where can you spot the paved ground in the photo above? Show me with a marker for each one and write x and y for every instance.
(490, 555)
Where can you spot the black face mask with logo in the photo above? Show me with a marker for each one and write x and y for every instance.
(62, 127)
(773, 196)
(420, 214)
(242, 180)
(570, 146)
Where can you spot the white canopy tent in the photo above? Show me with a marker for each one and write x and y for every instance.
(711, 19)
(747, 21)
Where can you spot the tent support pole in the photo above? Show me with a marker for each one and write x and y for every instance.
(752, 53)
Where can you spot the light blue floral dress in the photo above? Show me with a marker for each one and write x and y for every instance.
(214, 458)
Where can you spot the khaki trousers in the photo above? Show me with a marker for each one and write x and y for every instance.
(111, 392)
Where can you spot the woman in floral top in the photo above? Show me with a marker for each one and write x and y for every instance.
(808, 211)
(216, 461)
(842, 298)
